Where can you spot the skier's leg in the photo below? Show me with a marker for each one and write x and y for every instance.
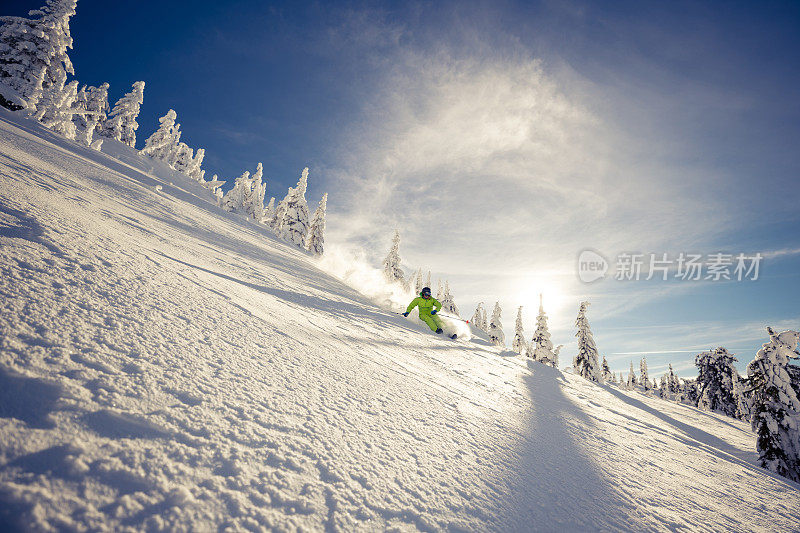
(438, 321)
(430, 320)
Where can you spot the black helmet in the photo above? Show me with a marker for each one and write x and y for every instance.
(426, 290)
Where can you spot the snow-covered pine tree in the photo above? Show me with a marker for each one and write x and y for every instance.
(79, 106)
(418, 282)
(121, 124)
(315, 243)
(269, 211)
(214, 184)
(183, 156)
(688, 394)
(391, 265)
(439, 291)
(794, 375)
(293, 226)
(428, 280)
(743, 396)
(586, 361)
(555, 355)
(716, 379)
(172, 153)
(254, 201)
(97, 103)
(606, 371)
(232, 201)
(496, 334)
(518, 344)
(479, 318)
(644, 379)
(662, 388)
(673, 383)
(775, 407)
(91, 108)
(195, 172)
(279, 211)
(448, 302)
(541, 347)
(56, 109)
(631, 381)
(33, 53)
(162, 141)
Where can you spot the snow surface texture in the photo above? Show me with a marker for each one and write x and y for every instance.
(167, 365)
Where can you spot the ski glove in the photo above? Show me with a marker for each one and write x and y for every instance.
(405, 314)
(434, 311)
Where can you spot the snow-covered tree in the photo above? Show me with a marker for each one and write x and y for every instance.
(644, 380)
(391, 265)
(162, 142)
(428, 280)
(254, 200)
(418, 282)
(90, 108)
(673, 383)
(662, 388)
(439, 291)
(716, 380)
(479, 318)
(279, 211)
(269, 211)
(97, 103)
(195, 172)
(631, 381)
(775, 407)
(234, 198)
(293, 226)
(33, 53)
(182, 159)
(214, 184)
(496, 334)
(79, 106)
(56, 109)
(586, 361)
(541, 347)
(121, 124)
(448, 303)
(606, 371)
(555, 355)
(794, 375)
(743, 398)
(518, 344)
(688, 393)
(315, 243)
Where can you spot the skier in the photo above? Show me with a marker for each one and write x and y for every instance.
(427, 313)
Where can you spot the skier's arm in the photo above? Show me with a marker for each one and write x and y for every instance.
(412, 305)
(437, 304)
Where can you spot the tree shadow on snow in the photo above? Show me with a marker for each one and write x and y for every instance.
(698, 438)
(561, 488)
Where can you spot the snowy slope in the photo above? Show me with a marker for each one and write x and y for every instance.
(166, 365)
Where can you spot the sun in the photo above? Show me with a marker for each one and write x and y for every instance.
(554, 295)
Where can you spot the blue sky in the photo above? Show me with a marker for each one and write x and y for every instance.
(501, 139)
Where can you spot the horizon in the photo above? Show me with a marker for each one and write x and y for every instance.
(502, 141)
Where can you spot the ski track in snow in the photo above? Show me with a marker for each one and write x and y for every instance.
(168, 366)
